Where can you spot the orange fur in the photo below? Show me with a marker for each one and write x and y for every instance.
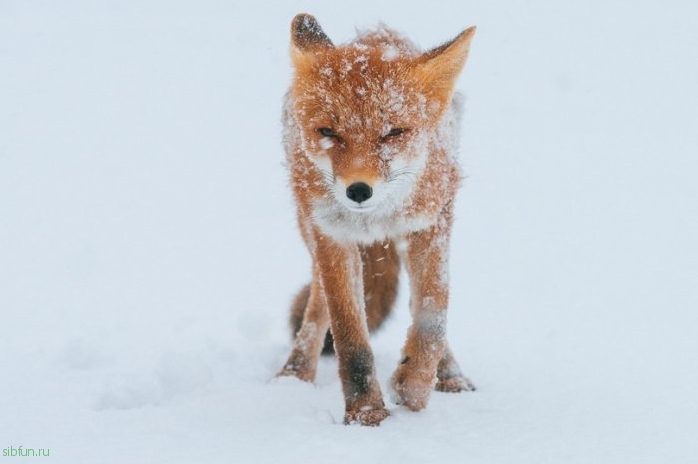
(370, 135)
(381, 268)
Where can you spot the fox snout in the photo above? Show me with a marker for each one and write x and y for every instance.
(359, 192)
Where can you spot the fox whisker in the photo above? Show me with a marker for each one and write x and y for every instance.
(327, 176)
(404, 174)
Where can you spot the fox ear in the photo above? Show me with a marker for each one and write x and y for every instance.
(439, 68)
(306, 33)
(307, 37)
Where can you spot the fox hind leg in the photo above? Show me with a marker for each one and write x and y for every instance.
(310, 309)
(381, 269)
(449, 376)
(298, 308)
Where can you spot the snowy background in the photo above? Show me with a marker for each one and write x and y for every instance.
(149, 252)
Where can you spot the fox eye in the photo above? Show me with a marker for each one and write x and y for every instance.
(327, 132)
(396, 131)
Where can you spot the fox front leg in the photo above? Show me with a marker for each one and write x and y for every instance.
(426, 351)
(308, 341)
(341, 273)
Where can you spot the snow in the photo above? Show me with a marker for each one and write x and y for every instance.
(149, 250)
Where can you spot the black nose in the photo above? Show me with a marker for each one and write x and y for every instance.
(359, 192)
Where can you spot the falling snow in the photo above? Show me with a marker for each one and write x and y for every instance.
(149, 249)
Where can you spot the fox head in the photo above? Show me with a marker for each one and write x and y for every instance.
(367, 112)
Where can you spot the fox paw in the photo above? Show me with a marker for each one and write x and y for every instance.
(369, 417)
(301, 374)
(454, 385)
(412, 389)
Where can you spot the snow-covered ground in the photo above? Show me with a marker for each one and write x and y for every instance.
(148, 247)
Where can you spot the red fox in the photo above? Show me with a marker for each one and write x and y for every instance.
(371, 132)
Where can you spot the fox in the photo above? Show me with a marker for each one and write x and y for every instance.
(370, 131)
